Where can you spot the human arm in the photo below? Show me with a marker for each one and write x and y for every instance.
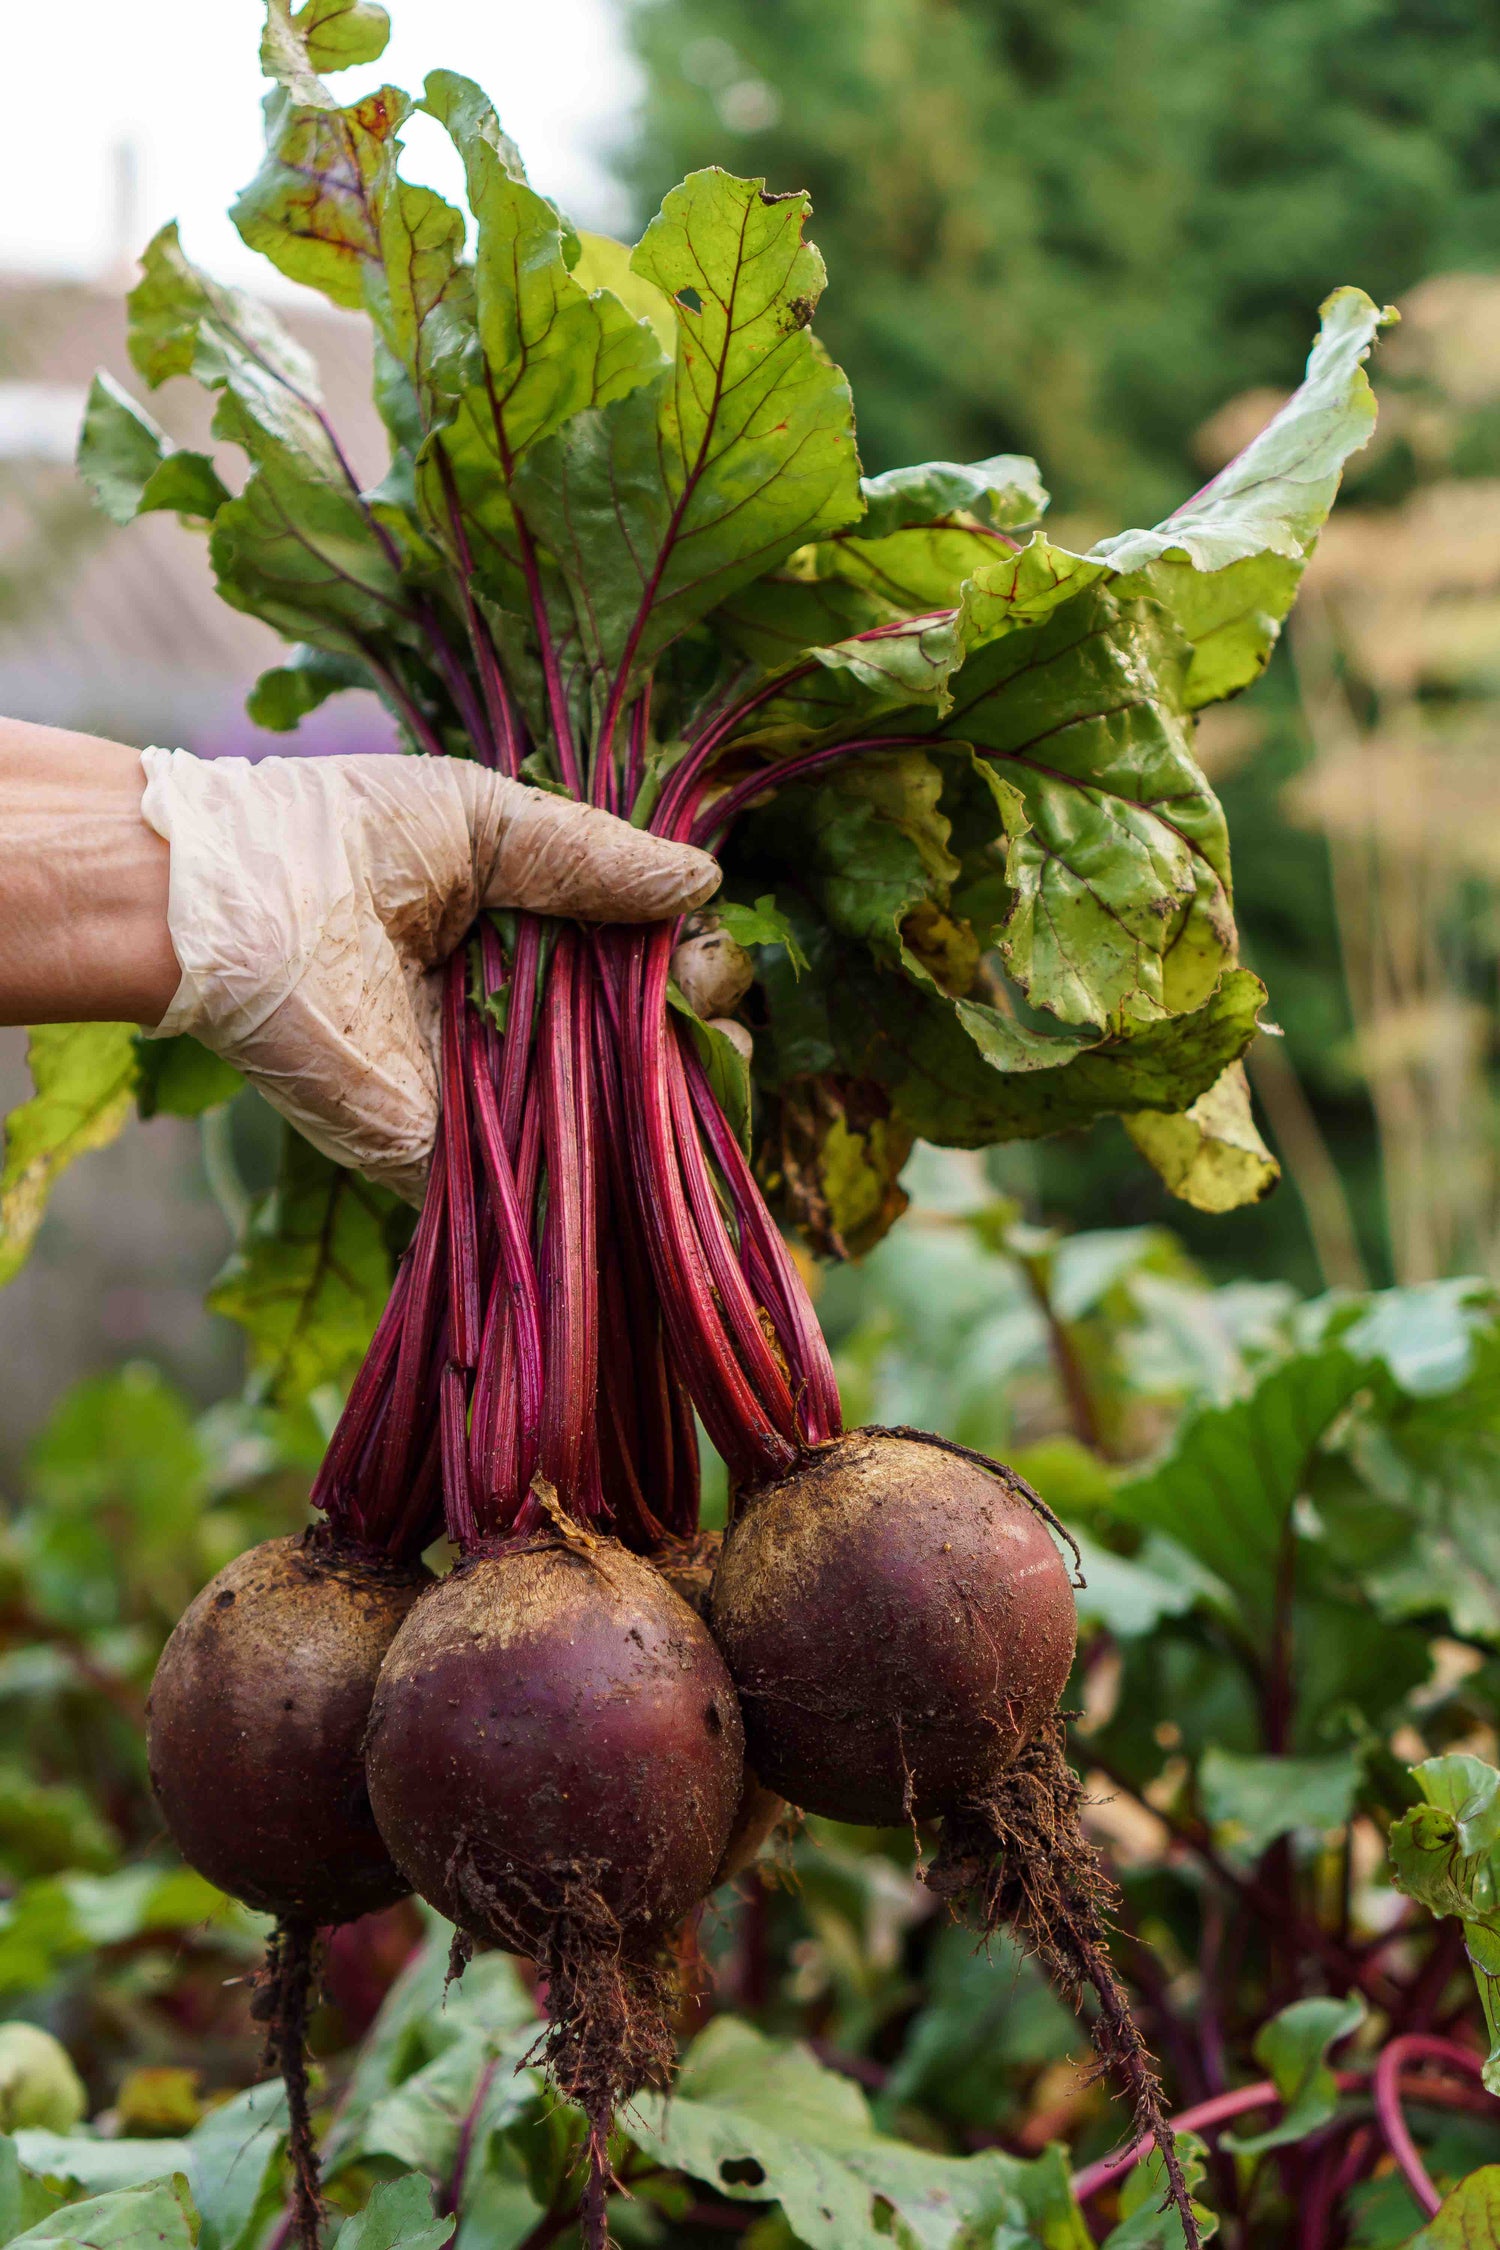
(83, 883)
(292, 915)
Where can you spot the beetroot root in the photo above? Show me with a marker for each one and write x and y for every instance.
(553, 1720)
(688, 1566)
(555, 1758)
(898, 1621)
(256, 1721)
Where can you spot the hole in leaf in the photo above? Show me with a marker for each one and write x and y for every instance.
(741, 2171)
(689, 299)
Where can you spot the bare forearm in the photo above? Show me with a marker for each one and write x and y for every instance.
(83, 883)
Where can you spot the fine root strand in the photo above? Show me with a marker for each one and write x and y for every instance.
(283, 2001)
(1019, 1860)
(609, 2005)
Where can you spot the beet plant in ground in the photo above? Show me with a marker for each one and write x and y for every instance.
(975, 888)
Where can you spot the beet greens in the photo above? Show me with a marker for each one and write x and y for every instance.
(623, 548)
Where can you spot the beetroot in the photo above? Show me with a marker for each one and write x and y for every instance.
(688, 1566)
(554, 1734)
(899, 1623)
(555, 1759)
(255, 1730)
(256, 1719)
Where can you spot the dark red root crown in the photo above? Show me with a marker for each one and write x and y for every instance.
(1020, 1860)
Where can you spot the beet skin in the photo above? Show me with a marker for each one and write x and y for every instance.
(898, 1622)
(256, 1721)
(554, 1738)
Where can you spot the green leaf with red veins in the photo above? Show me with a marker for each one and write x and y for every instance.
(301, 552)
(550, 347)
(182, 323)
(661, 505)
(909, 662)
(298, 546)
(132, 465)
(1122, 910)
(1005, 493)
(1229, 561)
(331, 34)
(1467, 2218)
(329, 209)
(312, 208)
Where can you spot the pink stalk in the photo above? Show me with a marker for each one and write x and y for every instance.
(463, 1232)
(337, 1486)
(570, 1279)
(640, 728)
(503, 1445)
(401, 1428)
(733, 1417)
(516, 1274)
(762, 1247)
(736, 1305)
(1413, 2046)
(725, 810)
(557, 700)
(1265, 2095)
(470, 711)
(518, 1023)
(682, 780)
(458, 1489)
(1236, 2103)
(675, 1492)
(503, 732)
(423, 1497)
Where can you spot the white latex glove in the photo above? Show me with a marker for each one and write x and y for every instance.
(310, 902)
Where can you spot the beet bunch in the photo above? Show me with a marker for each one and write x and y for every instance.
(621, 548)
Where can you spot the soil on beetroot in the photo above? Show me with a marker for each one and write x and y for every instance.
(256, 1723)
(553, 1717)
(898, 1620)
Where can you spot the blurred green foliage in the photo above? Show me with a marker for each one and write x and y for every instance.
(1030, 210)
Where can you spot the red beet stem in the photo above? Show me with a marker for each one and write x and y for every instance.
(725, 810)
(503, 731)
(402, 1433)
(734, 1418)
(769, 1266)
(515, 1274)
(463, 1231)
(570, 1279)
(736, 1305)
(338, 1489)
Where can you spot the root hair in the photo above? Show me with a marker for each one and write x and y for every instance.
(1019, 1859)
(283, 2001)
(609, 2005)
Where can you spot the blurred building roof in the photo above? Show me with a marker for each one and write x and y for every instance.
(121, 632)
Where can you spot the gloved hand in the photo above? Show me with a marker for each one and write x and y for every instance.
(311, 901)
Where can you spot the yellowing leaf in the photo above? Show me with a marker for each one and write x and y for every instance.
(1211, 1155)
(84, 1075)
